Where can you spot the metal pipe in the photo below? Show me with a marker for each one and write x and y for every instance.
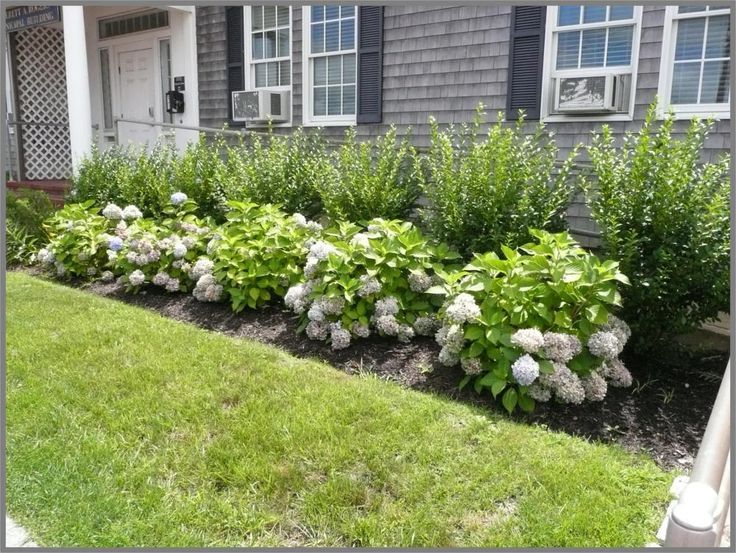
(186, 127)
(696, 520)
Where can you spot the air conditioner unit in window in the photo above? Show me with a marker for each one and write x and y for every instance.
(260, 106)
(592, 94)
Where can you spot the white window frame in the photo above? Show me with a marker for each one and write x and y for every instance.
(666, 70)
(308, 117)
(249, 69)
(549, 72)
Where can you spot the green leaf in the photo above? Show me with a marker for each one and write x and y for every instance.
(546, 366)
(476, 348)
(474, 332)
(526, 403)
(464, 381)
(254, 293)
(497, 387)
(509, 400)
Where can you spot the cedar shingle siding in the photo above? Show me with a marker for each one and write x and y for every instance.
(442, 61)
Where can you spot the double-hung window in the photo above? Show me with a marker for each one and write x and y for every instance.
(695, 71)
(329, 51)
(268, 47)
(590, 61)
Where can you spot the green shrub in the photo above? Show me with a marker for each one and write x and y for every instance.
(487, 192)
(20, 245)
(371, 179)
(258, 253)
(372, 280)
(25, 213)
(536, 323)
(149, 182)
(280, 170)
(665, 217)
(102, 176)
(201, 173)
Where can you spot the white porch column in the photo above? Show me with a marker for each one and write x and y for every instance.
(77, 84)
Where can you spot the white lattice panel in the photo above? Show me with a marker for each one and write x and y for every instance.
(39, 59)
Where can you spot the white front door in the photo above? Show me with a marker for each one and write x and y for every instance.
(137, 96)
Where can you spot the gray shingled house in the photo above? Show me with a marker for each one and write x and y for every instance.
(573, 67)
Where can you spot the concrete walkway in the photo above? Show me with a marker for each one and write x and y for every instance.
(15, 536)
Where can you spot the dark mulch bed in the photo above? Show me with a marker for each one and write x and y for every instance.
(663, 414)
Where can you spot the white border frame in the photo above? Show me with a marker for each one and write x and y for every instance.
(249, 70)
(308, 119)
(666, 69)
(550, 46)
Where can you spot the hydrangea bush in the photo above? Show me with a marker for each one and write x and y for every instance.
(537, 324)
(258, 253)
(78, 237)
(358, 282)
(167, 254)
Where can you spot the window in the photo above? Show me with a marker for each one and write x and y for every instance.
(106, 93)
(330, 62)
(166, 80)
(590, 61)
(135, 23)
(268, 48)
(695, 71)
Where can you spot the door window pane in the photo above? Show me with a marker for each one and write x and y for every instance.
(106, 94)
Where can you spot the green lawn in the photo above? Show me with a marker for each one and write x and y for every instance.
(128, 429)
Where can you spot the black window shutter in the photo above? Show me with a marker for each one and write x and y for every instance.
(370, 64)
(526, 56)
(235, 57)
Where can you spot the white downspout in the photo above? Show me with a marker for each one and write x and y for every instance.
(77, 84)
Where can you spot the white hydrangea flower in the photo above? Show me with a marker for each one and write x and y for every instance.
(131, 257)
(141, 259)
(472, 366)
(405, 333)
(539, 392)
(91, 271)
(528, 339)
(451, 337)
(419, 282)
(153, 256)
(339, 337)
(111, 255)
(369, 285)
(136, 278)
(619, 328)
(361, 239)
(206, 289)
(179, 250)
(361, 330)
(426, 325)
(296, 297)
(112, 212)
(604, 344)
(313, 226)
(45, 256)
(386, 306)
(173, 285)
(131, 212)
(462, 309)
(317, 330)
(448, 357)
(178, 198)
(315, 313)
(595, 386)
(189, 242)
(561, 347)
(299, 220)
(617, 373)
(83, 256)
(60, 268)
(386, 325)
(107, 276)
(321, 250)
(188, 227)
(525, 370)
(310, 269)
(160, 279)
(203, 266)
(330, 306)
(565, 383)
